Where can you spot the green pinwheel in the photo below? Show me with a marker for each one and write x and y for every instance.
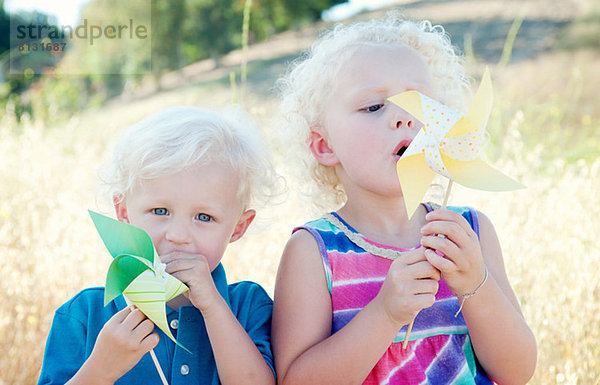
(136, 271)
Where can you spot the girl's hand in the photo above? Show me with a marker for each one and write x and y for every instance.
(194, 271)
(410, 286)
(121, 343)
(462, 261)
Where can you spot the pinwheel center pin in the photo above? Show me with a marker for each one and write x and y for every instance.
(159, 270)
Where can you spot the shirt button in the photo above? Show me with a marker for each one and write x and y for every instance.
(174, 324)
(185, 370)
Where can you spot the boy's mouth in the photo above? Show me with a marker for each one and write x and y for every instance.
(401, 150)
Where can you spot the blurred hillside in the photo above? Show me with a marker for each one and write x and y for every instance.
(545, 127)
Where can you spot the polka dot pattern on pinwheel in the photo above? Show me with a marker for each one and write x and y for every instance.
(439, 119)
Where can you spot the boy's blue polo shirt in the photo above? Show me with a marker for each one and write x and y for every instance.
(77, 323)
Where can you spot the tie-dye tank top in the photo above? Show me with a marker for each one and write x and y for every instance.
(439, 351)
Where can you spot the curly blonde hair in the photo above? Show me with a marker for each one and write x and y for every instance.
(175, 138)
(310, 79)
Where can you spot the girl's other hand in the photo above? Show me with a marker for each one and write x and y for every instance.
(194, 271)
(462, 262)
(121, 343)
(409, 287)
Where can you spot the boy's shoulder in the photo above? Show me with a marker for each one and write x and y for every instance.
(86, 297)
(88, 303)
(248, 290)
(248, 299)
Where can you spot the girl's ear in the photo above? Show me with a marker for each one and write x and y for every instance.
(242, 225)
(320, 148)
(121, 208)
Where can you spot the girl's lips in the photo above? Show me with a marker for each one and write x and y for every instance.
(401, 147)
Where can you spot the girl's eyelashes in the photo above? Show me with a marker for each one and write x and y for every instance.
(203, 217)
(160, 211)
(373, 108)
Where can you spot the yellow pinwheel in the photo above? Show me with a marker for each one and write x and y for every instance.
(449, 144)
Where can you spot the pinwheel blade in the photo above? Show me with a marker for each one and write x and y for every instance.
(123, 238)
(479, 175)
(409, 101)
(415, 178)
(148, 293)
(122, 271)
(479, 111)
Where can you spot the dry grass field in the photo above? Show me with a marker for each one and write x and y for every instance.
(545, 132)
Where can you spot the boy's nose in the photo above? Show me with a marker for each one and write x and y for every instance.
(177, 232)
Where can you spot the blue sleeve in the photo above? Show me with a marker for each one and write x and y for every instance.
(73, 333)
(65, 350)
(254, 310)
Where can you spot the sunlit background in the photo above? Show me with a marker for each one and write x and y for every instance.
(59, 119)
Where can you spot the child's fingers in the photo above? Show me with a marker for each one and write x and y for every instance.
(143, 329)
(423, 301)
(149, 342)
(182, 263)
(425, 286)
(451, 216)
(423, 270)
(120, 316)
(134, 318)
(411, 257)
(439, 262)
(176, 265)
(174, 256)
(451, 230)
(445, 245)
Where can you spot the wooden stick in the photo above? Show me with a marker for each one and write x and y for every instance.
(158, 368)
(410, 325)
(447, 194)
(152, 354)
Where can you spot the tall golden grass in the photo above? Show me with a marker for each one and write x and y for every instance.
(549, 232)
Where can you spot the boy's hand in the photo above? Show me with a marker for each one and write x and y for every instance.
(194, 271)
(121, 343)
(462, 264)
(410, 285)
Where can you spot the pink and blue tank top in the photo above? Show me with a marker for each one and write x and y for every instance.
(439, 351)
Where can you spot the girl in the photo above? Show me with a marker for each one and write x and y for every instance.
(350, 282)
(186, 176)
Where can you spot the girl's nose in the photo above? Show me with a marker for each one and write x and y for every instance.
(401, 119)
(404, 123)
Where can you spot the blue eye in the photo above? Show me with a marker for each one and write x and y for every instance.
(160, 211)
(374, 108)
(203, 217)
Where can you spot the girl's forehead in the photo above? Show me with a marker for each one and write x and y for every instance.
(390, 66)
(385, 55)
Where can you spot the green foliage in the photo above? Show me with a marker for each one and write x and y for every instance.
(213, 26)
(4, 28)
(57, 98)
(584, 33)
(182, 32)
(168, 50)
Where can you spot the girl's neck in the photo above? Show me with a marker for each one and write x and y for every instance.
(385, 221)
